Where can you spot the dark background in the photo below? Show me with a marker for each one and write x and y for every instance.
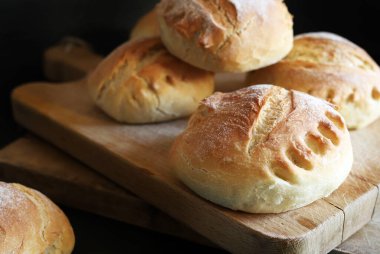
(27, 27)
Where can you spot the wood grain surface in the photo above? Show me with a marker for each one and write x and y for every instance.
(66, 116)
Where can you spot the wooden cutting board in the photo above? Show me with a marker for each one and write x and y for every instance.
(37, 164)
(135, 156)
(65, 116)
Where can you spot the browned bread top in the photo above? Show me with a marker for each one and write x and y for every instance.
(228, 35)
(31, 223)
(263, 149)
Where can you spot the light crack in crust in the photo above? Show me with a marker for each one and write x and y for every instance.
(42, 211)
(45, 218)
(20, 248)
(232, 28)
(124, 71)
(237, 32)
(154, 92)
(107, 83)
(276, 107)
(215, 9)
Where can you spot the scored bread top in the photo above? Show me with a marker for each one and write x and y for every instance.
(330, 49)
(263, 149)
(328, 66)
(228, 35)
(31, 223)
(141, 82)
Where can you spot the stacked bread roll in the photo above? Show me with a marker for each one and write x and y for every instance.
(31, 223)
(197, 37)
(261, 149)
(232, 35)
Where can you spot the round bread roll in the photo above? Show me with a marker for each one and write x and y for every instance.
(228, 35)
(31, 223)
(141, 82)
(146, 27)
(263, 149)
(328, 66)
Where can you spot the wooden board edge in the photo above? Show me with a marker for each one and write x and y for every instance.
(356, 198)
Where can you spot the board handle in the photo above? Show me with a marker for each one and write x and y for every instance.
(71, 59)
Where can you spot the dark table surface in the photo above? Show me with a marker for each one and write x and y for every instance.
(30, 26)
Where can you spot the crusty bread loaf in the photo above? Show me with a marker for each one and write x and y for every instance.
(228, 35)
(141, 82)
(330, 67)
(263, 149)
(31, 223)
(146, 26)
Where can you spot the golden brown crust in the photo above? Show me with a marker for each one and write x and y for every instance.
(228, 35)
(333, 68)
(31, 223)
(147, 26)
(263, 149)
(142, 82)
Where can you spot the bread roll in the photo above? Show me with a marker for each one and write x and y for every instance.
(263, 149)
(31, 223)
(141, 82)
(228, 35)
(146, 27)
(330, 67)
